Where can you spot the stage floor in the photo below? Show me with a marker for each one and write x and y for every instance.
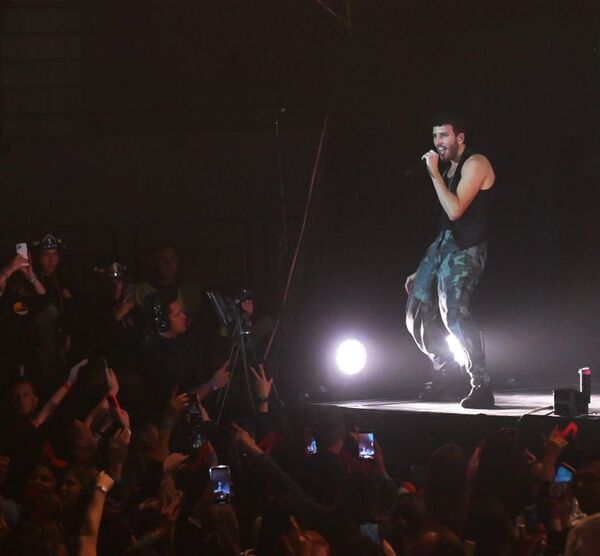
(509, 403)
(411, 430)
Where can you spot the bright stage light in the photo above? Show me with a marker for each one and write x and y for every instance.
(351, 357)
(460, 354)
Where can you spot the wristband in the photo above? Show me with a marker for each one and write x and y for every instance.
(33, 279)
(101, 488)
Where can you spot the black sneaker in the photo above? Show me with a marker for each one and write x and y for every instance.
(480, 397)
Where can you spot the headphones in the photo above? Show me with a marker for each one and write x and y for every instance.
(161, 321)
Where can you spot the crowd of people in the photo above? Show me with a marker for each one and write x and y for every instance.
(119, 439)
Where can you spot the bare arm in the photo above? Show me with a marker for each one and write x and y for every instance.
(219, 379)
(50, 406)
(88, 536)
(177, 403)
(39, 288)
(17, 263)
(476, 174)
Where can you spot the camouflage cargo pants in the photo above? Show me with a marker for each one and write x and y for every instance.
(439, 305)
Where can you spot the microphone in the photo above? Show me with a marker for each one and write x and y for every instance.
(422, 164)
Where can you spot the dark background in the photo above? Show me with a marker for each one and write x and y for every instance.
(128, 122)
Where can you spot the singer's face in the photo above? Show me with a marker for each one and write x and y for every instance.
(446, 142)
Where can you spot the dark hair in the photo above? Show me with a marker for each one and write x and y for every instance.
(449, 118)
(155, 251)
(446, 487)
(328, 425)
(23, 380)
(166, 296)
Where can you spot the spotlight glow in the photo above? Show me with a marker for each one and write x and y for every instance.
(351, 357)
(460, 354)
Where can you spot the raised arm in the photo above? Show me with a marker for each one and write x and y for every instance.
(218, 380)
(50, 406)
(88, 536)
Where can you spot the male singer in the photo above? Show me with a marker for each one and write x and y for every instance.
(444, 282)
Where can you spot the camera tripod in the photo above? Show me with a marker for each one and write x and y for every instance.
(238, 364)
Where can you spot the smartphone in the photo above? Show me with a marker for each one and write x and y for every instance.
(366, 445)
(562, 479)
(22, 250)
(310, 444)
(221, 483)
(564, 474)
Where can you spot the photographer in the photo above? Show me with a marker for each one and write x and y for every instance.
(172, 354)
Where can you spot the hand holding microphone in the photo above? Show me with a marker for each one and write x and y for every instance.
(429, 160)
(432, 160)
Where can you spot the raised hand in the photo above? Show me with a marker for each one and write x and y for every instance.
(262, 384)
(177, 403)
(117, 449)
(432, 159)
(221, 376)
(174, 461)
(74, 372)
(113, 383)
(104, 481)
(244, 440)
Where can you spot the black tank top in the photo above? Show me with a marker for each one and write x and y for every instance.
(473, 226)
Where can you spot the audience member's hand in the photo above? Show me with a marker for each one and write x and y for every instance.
(529, 544)
(113, 383)
(168, 516)
(124, 419)
(554, 445)
(295, 542)
(104, 481)
(560, 503)
(203, 413)
(262, 384)
(174, 461)
(245, 441)
(4, 465)
(387, 549)
(177, 403)
(124, 308)
(25, 267)
(74, 372)
(19, 263)
(221, 376)
(117, 446)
